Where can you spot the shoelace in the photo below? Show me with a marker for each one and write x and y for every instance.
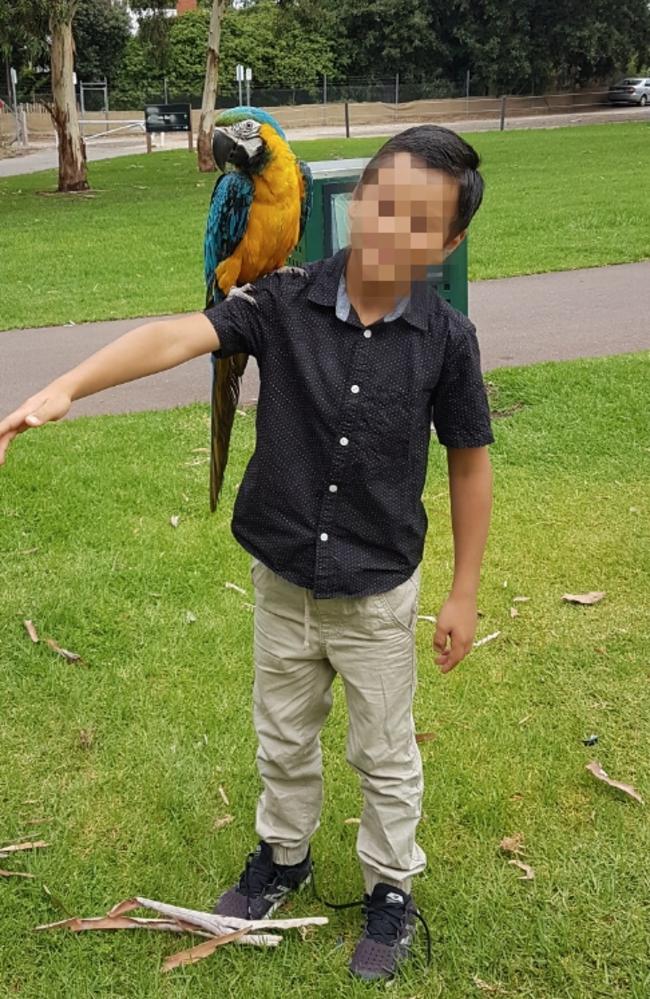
(377, 917)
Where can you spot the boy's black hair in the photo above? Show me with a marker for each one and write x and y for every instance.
(441, 149)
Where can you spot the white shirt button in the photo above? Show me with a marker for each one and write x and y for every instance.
(367, 333)
(333, 488)
(344, 441)
(323, 536)
(354, 388)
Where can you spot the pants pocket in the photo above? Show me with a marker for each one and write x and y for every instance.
(400, 605)
(255, 568)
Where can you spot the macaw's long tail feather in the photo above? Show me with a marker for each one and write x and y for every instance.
(226, 375)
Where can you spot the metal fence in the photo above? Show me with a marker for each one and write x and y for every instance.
(92, 96)
(346, 117)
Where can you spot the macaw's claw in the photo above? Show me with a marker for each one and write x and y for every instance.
(242, 292)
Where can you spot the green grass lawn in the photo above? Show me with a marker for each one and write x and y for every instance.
(129, 806)
(555, 199)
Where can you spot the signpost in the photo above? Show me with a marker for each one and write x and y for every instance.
(239, 75)
(21, 131)
(168, 118)
(243, 73)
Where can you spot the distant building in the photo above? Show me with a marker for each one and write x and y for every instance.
(182, 7)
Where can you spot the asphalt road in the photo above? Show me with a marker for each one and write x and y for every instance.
(521, 320)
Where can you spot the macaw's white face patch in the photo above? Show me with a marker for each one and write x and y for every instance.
(247, 129)
(401, 218)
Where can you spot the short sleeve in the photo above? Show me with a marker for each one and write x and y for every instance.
(245, 318)
(460, 407)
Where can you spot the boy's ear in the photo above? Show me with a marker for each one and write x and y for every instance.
(455, 241)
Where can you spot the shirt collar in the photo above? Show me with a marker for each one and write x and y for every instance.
(328, 288)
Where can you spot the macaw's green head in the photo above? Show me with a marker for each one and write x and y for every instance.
(245, 139)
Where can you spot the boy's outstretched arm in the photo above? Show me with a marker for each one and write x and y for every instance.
(142, 351)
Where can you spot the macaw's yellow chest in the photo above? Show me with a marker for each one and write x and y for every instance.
(273, 225)
(273, 222)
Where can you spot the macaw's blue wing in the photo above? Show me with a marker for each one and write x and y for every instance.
(308, 197)
(230, 204)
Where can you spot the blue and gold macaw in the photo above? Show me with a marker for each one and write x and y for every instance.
(258, 211)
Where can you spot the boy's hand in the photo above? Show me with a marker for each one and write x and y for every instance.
(457, 620)
(51, 404)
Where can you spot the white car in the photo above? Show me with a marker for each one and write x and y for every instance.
(631, 90)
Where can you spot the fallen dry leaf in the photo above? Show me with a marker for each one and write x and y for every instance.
(190, 618)
(519, 599)
(524, 719)
(14, 874)
(174, 520)
(488, 638)
(512, 844)
(224, 796)
(427, 617)
(595, 768)
(351, 822)
(218, 929)
(31, 630)
(225, 820)
(425, 736)
(86, 738)
(201, 950)
(233, 586)
(584, 598)
(529, 872)
(486, 987)
(514, 612)
(71, 657)
(16, 847)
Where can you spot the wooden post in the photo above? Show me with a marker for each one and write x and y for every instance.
(190, 144)
(347, 121)
(503, 111)
(148, 136)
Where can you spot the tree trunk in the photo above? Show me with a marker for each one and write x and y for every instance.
(72, 151)
(204, 139)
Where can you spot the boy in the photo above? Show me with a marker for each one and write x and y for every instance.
(356, 355)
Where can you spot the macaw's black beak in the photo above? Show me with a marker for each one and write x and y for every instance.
(225, 150)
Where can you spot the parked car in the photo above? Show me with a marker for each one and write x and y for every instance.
(631, 90)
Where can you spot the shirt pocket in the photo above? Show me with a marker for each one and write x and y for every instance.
(385, 439)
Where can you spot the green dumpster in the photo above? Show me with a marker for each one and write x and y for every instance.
(327, 229)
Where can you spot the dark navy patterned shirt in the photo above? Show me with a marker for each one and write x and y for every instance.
(331, 499)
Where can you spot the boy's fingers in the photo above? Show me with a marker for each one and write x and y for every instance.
(30, 414)
(5, 440)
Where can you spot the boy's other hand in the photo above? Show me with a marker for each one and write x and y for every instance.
(457, 621)
(51, 404)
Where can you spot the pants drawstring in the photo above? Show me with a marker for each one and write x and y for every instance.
(305, 642)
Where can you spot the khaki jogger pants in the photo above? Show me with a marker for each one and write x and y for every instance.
(300, 644)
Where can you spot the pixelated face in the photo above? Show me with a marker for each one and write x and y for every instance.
(401, 217)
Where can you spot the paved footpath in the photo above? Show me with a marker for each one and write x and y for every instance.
(521, 320)
(45, 157)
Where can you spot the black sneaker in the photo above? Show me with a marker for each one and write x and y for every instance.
(263, 885)
(391, 917)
